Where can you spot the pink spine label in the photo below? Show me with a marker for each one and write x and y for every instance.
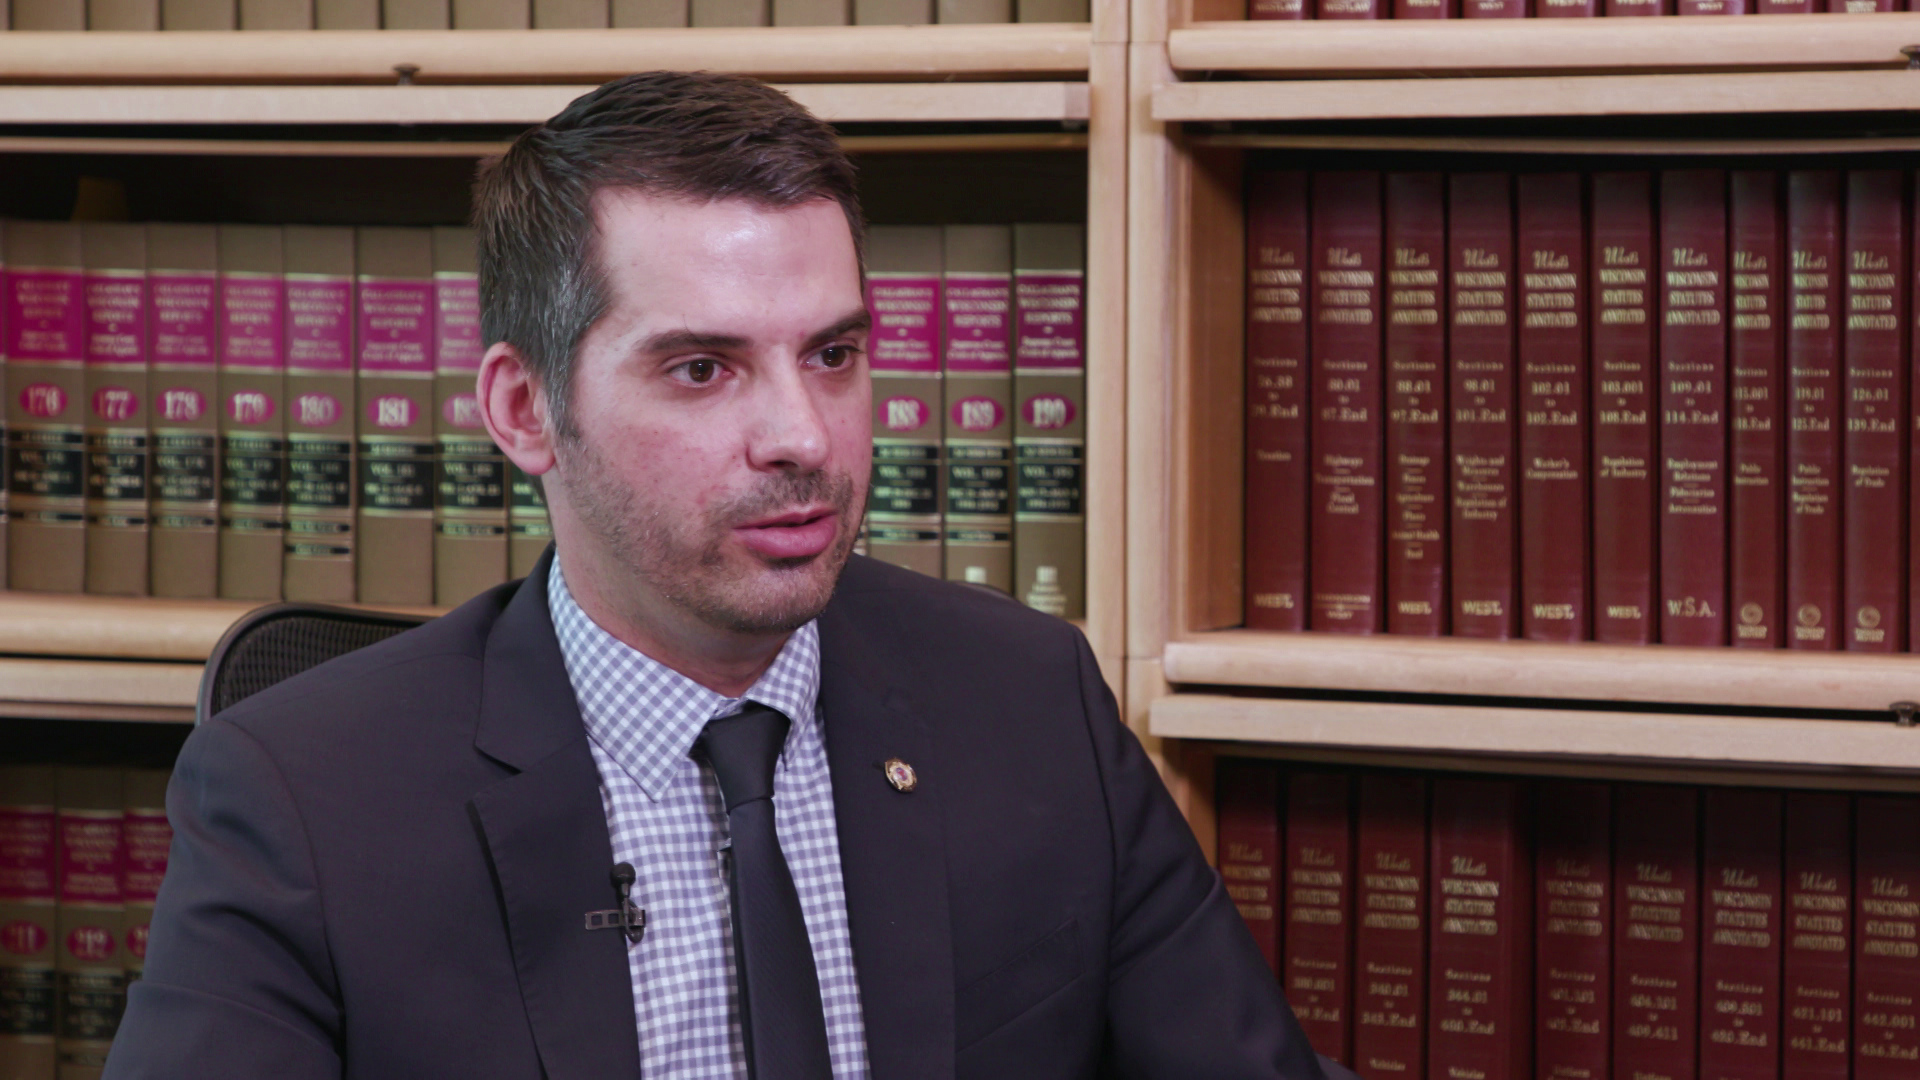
(26, 853)
(1051, 331)
(115, 306)
(456, 323)
(906, 322)
(319, 324)
(978, 306)
(253, 321)
(396, 326)
(90, 856)
(148, 836)
(46, 319)
(180, 319)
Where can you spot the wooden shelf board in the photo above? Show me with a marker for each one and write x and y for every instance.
(593, 56)
(30, 686)
(964, 142)
(1541, 96)
(1736, 678)
(1475, 144)
(1678, 740)
(122, 628)
(1464, 46)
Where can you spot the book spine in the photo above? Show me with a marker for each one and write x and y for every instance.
(1053, 11)
(893, 12)
(1390, 934)
(1248, 797)
(528, 529)
(182, 287)
(1555, 591)
(978, 408)
(1266, 10)
(1873, 443)
(29, 869)
(1813, 395)
(1861, 7)
(1625, 439)
(69, 15)
(1656, 952)
(253, 417)
(415, 15)
(1278, 253)
(1573, 970)
(346, 14)
(46, 384)
(1346, 432)
(1494, 9)
(1740, 939)
(119, 449)
(1637, 8)
(903, 292)
(1693, 407)
(147, 839)
(89, 965)
(394, 307)
(595, 14)
(1480, 397)
(1886, 959)
(1318, 946)
(649, 13)
(1351, 9)
(1416, 402)
(505, 15)
(1566, 9)
(1785, 7)
(470, 473)
(1050, 418)
(1426, 9)
(1481, 1002)
(1817, 979)
(199, 15)
(1756, 508)
(1711, 7)
(320, 489)
(277, 14)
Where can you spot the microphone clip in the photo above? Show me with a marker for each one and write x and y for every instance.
(626, 918)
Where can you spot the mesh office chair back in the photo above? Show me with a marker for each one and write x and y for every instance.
(279, 641)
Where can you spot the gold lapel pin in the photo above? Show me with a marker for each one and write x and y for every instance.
(900, 774)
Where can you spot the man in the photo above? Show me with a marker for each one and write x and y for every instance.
(869, 824)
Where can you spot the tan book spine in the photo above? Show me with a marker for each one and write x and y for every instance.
(28, 895)
(415, 15)
(123, 14)
(346, 14)
(182, 282)
(276, 14)
(470, 472)
(119, 445)
(571, 14)
(90, 974)
(320, 409)
(728, 13)
(49, 14)
(977, 413)
(148, 838)
(903, 496)
(811, 13)
(1049, 420)
(253, 420)
(199, 15)
(528, 529)
(394, 377)
(46, 412)
(650, 13)
(892, 12)
(492, 14)
(1054, 11)
(974, 11)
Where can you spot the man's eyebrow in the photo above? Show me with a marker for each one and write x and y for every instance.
(859, 320)
(685, 340)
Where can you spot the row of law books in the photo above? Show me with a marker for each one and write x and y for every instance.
(1627, 407)
(978, 353)
(252, 412)
(137, 15)
(1551, 9)
(82, 853)
(1436, 926)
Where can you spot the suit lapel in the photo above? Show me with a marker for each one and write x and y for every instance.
(892, 857)
(546, 837)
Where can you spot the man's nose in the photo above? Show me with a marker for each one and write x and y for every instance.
(787, 431)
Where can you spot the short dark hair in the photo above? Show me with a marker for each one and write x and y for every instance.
(698, 136)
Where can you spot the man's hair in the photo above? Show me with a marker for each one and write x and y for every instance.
(696, 136)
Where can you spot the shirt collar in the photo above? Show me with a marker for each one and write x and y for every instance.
(647, 716)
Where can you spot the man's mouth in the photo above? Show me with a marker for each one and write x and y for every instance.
(796, 534)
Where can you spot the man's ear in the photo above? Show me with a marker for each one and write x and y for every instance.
(514, 405)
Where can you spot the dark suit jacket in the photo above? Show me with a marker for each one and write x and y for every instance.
(380, 868)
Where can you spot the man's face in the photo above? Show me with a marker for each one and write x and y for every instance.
(721, 434)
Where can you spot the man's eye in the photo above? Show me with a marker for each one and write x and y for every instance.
(834, 356)
(701, 371)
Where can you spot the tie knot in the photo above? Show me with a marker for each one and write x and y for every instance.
(742, 749)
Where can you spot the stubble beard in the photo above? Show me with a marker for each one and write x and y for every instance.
(684, 559)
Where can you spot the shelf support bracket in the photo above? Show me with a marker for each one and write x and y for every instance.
(1903, 713)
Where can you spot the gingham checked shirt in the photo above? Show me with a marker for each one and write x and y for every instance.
(666, 818)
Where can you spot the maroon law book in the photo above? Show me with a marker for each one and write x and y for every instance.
(1426, 9)
(1351, 9)
(1861, 7)
(1817, 978)
(1347, 429)
(1619, 8)
(1785, 7)
(1573, 917)
(1485, 580)
(1693, 407)
(1566, 9)
(1247, 813)
(1913, 474)
(1873, 442)
(1493, 9)
(1625, 438)
(1390, 939)
(1481, 993)
(1268, 10)
(1812, 600)
(1712, 7)
(1276, 497)
(1318, 948)
(1416, 346)
(1555, 593)
(1758, 445)
(1886, 956)
(1741, 931)
(1656, 912)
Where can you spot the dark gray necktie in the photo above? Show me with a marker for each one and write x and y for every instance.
(781, 1019)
